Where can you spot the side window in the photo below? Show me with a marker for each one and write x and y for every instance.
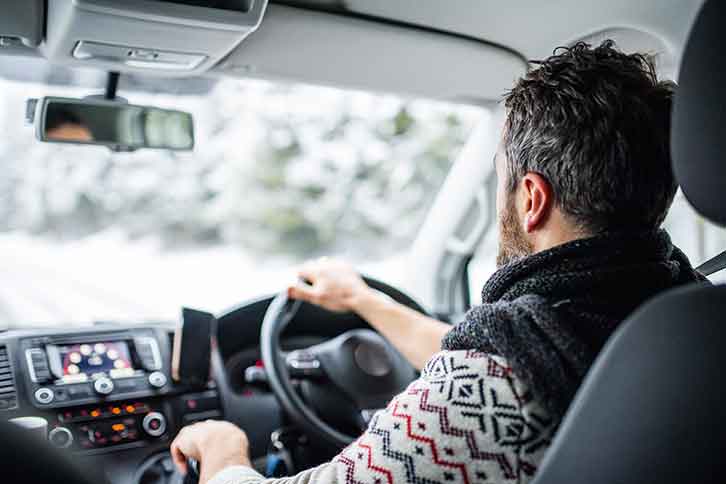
(483, 264)
(696, 237)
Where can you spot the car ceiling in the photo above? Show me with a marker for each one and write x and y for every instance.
(533, 28)
(523, 30)
(468, 50)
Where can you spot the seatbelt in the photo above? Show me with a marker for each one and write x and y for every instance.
(714, 264)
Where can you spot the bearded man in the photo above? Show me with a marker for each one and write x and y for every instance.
(584, 184)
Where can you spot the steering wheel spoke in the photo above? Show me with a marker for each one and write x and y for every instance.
(366, 415)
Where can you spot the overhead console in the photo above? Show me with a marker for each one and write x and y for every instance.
(21, 27)
(167, 37)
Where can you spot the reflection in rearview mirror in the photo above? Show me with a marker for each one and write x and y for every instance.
(111, 123)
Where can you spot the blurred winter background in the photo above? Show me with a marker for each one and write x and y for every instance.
(280, 174)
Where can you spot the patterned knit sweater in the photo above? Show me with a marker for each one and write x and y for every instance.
(467, 419)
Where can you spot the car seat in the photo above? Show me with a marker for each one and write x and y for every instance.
(652, 407)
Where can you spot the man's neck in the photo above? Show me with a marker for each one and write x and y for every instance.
(558, 231)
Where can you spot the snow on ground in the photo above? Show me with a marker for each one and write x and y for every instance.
(107, 277)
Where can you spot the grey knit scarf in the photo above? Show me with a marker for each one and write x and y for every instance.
(549, 314)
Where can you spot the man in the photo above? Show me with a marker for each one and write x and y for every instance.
(64, 125)
(584, 183)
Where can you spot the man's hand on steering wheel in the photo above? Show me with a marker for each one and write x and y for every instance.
(365, 371)
(336, 286)
(331, 283)
(215, 445)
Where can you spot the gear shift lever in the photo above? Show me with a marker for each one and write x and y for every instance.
(192, 476)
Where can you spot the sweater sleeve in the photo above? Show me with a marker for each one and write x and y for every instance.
(466, 419)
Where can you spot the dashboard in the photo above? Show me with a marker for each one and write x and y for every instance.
(97, 389)
(108, 394)
(105, 392)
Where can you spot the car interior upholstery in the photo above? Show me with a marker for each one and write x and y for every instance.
(646, 411)
(650, 409)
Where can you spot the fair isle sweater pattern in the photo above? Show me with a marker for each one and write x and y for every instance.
(467, 419)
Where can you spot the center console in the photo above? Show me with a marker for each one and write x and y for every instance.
(100, 390)
(107, 392)
(74, 370)
(100, 427)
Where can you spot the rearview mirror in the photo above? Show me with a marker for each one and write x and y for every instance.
(120, 126)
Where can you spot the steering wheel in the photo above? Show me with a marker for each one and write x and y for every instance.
(347, 378)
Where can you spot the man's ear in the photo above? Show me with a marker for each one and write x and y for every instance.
(538, 201)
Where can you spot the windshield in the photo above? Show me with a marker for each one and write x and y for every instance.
(280, 174)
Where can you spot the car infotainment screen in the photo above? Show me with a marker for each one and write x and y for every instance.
(82, 361)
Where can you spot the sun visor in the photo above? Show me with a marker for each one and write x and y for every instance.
(166, 37)
(326, 48)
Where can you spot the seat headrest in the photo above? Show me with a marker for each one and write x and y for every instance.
(698, 142)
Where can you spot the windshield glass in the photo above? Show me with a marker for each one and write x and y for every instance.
(280, 174)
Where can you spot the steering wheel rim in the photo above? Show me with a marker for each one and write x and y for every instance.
(278, 315)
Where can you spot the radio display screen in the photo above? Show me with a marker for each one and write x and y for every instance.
(80, 362)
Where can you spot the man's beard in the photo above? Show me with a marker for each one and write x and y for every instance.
(513, 244)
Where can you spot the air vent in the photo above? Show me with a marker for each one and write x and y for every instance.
(8, 393)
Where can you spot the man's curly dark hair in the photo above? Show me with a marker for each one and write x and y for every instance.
(595, 122)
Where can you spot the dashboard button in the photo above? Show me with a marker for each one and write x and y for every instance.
(61, 395)
(130, 384)
(103, 386)
(37, 365)
(157, 379)
(60, 437)
(79, 391)
(44, 395)
(148, 351)
(154, 424)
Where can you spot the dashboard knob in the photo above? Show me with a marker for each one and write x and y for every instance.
(154, 424)
(44, 395)
(60, 437)
(103, 386)
(157, 379)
